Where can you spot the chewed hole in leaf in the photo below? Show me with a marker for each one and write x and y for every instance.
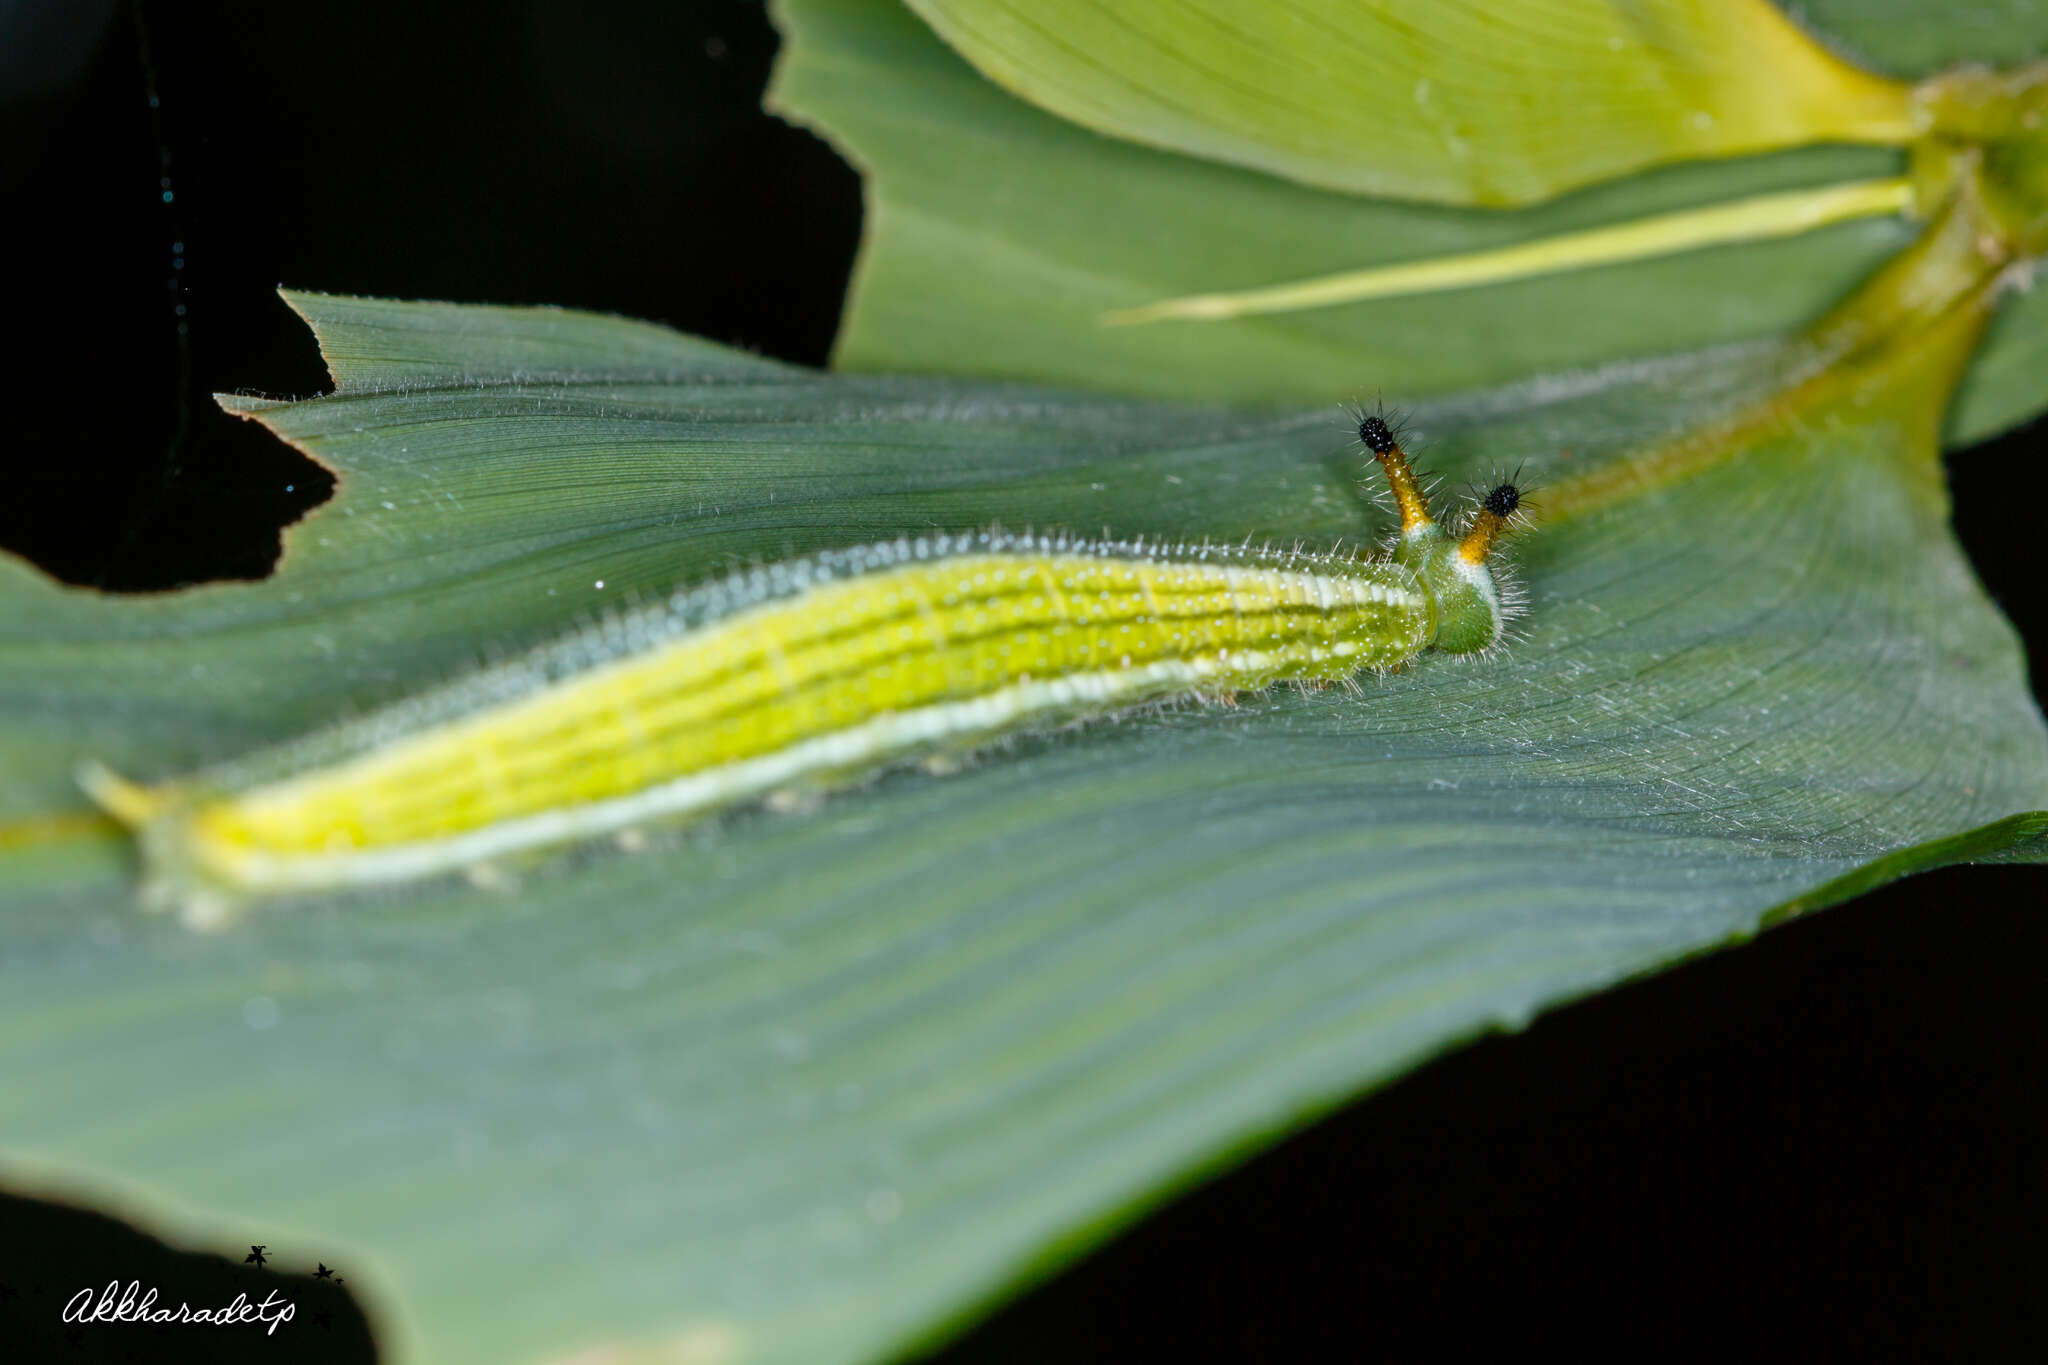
(147, 514)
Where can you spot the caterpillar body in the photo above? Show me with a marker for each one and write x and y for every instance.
(815, 670)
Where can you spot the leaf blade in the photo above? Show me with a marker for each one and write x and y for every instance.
(843, 1075)
(1498, 105)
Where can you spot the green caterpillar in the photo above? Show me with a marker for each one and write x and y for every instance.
(819, 669)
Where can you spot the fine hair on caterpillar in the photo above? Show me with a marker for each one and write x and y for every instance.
(803, 674)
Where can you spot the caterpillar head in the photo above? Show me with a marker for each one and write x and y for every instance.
(1452, 569)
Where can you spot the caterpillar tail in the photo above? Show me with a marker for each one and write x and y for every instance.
(160, 820)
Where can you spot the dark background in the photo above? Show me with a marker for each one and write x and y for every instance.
(1829, 1142)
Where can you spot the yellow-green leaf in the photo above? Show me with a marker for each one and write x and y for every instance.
(1450, 101)
(1000, 235)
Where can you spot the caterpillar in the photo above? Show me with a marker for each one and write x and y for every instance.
(815, 670)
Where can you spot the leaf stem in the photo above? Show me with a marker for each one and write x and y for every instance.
(1743, 220)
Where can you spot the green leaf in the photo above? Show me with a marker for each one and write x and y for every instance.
(1504, 103)
(998, 235)
(1910, 41)
(811, 1087)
